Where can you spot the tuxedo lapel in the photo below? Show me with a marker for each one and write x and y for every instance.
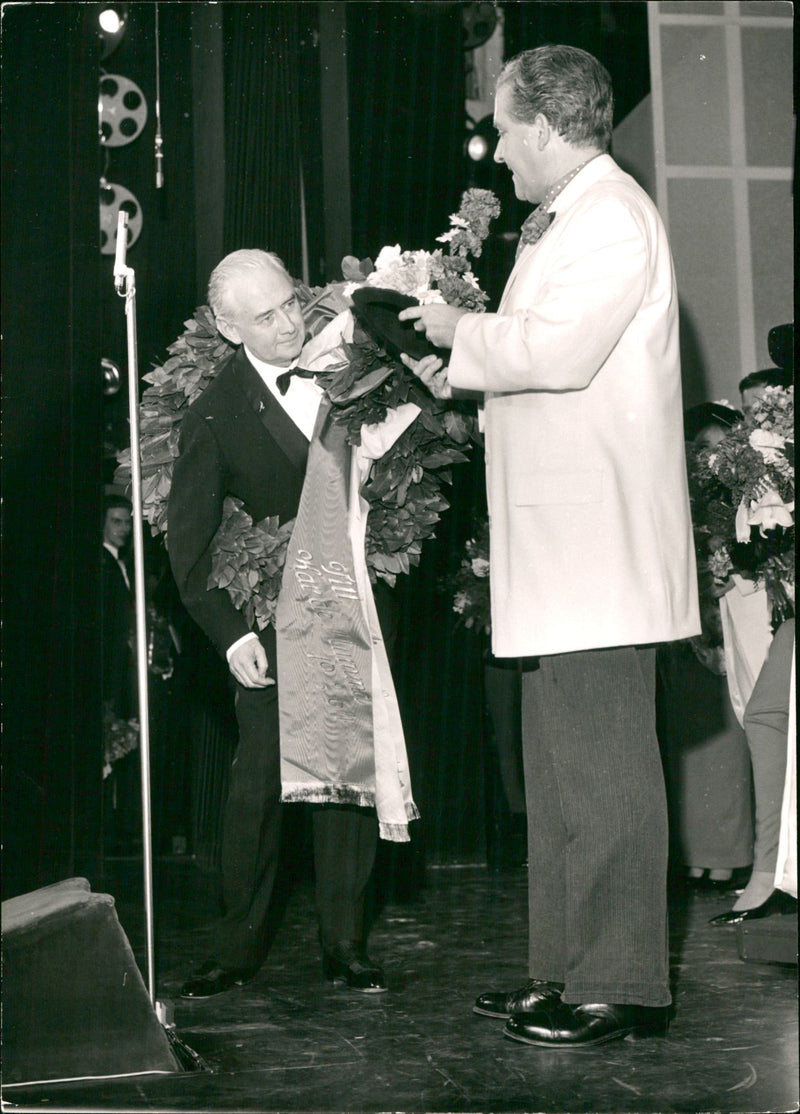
(270, 413)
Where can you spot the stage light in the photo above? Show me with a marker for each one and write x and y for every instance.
(481, 140)
(477, 147)
(112, 20)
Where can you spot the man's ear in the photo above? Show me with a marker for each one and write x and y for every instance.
(228, 329)
(542, 130)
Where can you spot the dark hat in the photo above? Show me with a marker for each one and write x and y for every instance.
(376, 309)
(708, 413)
(780, 341)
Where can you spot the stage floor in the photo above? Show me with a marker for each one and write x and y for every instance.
(288, 1042)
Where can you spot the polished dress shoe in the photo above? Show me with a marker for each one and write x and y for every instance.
(211, 979)
(777, 902)
(554, 1024)
(527, 998)
(348, 963)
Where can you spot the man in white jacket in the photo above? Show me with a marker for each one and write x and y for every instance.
(592, 561)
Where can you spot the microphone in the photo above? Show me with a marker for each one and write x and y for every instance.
(120, 267)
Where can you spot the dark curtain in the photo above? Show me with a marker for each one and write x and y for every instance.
(406, 86)
(52, 754)
(263, 145)
(615, 32)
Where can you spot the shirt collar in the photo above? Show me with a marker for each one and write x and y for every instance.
(112, 549)
(268, 372)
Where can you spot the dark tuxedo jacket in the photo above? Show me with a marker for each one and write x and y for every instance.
(237, 440)
(116, 628)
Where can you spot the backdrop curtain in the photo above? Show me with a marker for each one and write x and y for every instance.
(262, 139)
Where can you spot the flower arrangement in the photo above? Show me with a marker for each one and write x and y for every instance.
(743, 501)
(470, 583)
(434, 276)
(405, 487)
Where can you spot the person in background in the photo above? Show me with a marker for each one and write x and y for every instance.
(766, 724)
(752, 387)
(122, 783)
(704, 747)
(591, 542)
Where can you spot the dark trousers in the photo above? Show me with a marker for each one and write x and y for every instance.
(597, 827)
(344, 839)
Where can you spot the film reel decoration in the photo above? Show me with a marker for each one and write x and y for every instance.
(113, 198)
(123, 110)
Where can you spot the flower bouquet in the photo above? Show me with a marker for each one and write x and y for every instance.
(365, 381)
(470, 583)
(743, 501)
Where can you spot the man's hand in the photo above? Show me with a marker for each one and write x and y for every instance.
(436, 320)
(432, 372)
(248, 664)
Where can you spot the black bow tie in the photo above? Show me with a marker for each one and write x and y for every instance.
(285, 378)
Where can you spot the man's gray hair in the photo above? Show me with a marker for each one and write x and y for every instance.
(234, 264)
(568, 86)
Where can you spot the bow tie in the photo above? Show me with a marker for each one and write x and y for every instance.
(285, 378)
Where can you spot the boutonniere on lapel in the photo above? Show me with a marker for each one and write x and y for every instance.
(540, 219)
(536, 225)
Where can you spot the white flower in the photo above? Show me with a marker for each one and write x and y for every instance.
(388, 257)
(766, 512)
(769, 444)
(460, 602)
(480, 566)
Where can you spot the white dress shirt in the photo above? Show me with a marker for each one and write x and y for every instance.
(301, 403)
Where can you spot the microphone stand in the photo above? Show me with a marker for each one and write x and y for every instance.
(125, 285)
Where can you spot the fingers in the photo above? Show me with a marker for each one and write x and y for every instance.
(415, 314)
(411, 313)
(430, 370)
(427, 366)
(249, 665)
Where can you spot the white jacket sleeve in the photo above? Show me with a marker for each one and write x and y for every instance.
(590, 295)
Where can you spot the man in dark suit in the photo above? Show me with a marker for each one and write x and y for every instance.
(122, 818)
(247, 436)
(117, 604)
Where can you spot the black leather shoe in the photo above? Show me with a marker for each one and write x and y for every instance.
(211, 979)
(554, 1024)
(348, 963)
(527, 998)
(777, 902)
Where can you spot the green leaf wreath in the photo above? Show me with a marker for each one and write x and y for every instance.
(405, 487)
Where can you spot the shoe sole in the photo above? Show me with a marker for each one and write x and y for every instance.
(343, 983)
(632, 1034)
(214, 994)
(490, 1013)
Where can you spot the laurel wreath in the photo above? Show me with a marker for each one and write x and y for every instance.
(405, 488)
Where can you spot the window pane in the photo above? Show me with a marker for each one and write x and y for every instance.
(767, 67)
(695, 80)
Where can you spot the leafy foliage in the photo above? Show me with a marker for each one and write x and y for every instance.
(742, 492)
(405, 487)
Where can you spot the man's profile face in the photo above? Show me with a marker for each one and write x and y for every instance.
(117, 526)
(263, 313)
(518, 148)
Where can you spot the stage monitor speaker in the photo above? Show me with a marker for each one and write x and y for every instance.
(74, 1002)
